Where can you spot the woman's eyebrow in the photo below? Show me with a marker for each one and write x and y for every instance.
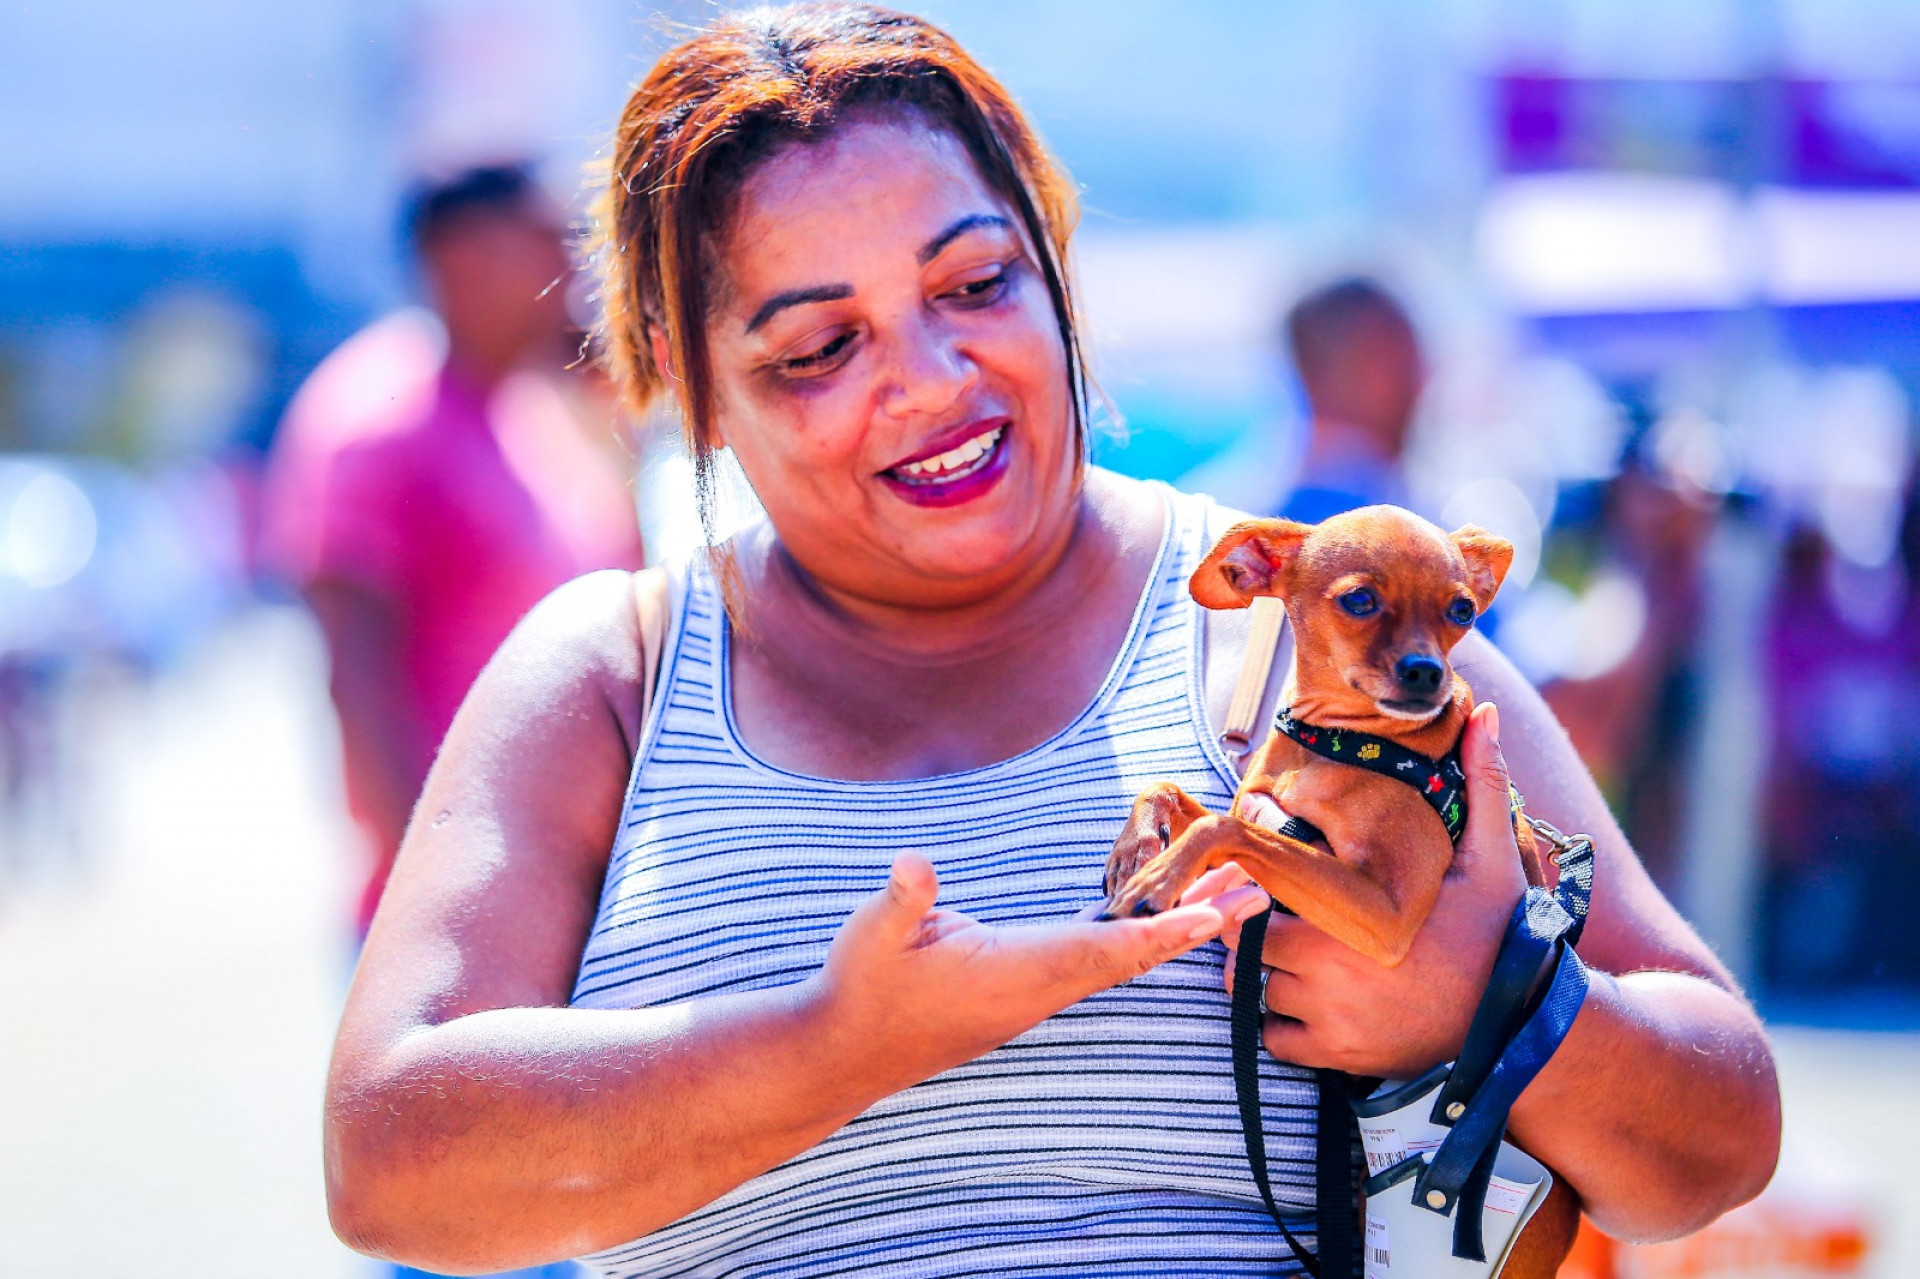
(972, 222)
(798, 297)
(838, 292)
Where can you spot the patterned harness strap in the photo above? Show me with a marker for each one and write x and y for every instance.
(1441, 782)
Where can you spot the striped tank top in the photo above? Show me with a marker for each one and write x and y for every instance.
(1106, 1140)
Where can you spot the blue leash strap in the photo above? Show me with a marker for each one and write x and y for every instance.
(1537, 927)
(1465, 1156)
(1504, 1051)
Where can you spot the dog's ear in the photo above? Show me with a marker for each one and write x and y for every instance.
(1251, 560)
(1488, 558)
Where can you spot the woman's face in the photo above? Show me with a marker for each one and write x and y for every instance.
(888, 369)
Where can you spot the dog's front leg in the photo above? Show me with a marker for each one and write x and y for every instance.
(1171, 865)
(1160, 817)
(1373, 903)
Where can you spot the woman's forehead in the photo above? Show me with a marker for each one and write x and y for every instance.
(872, 190)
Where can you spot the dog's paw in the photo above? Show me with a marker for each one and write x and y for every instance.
(1138, 845)
(1153, 888)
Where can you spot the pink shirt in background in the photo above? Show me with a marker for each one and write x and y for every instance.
(460, 509)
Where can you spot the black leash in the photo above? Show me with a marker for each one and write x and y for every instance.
(1335, 1219)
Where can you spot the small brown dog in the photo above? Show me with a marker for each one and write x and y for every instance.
(1377, 599)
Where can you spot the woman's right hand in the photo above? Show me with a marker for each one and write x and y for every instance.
(941, 989)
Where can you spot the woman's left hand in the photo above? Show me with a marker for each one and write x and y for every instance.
(1330, 1006)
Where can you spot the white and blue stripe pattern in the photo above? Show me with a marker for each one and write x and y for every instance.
(1105, 1140)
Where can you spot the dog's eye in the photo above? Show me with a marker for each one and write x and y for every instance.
(1460, 612)
(1360, 603)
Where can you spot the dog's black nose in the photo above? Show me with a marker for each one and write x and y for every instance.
(1418, 674)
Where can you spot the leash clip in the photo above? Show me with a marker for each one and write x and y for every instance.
(1562, 843)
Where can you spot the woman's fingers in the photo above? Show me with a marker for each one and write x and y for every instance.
(1219, 880)
(1286, 937)
(1489, 813)
(1291, 1040)
(1287, 995)
(1118, 950)
(894, 915)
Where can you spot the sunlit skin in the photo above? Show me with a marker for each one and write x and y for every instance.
(475, 1122)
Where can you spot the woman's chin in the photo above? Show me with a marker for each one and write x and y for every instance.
(972, 565)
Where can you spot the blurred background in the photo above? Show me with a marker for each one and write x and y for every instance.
(1635, 284)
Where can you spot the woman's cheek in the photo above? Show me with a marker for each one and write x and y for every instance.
(804, 423)
(1026, 354)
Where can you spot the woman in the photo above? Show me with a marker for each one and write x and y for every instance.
(832, 236)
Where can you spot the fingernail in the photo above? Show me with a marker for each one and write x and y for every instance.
(1202, 930)
(1250, 909)
(1493, 723)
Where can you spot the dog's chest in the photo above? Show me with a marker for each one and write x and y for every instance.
(1348, 803)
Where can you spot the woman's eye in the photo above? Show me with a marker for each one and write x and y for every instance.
(813, 360)
(981, 291)
(1359, 603)
(1460, 612)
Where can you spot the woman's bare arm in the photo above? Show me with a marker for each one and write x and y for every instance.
(475, 1122)
(1661, 1107)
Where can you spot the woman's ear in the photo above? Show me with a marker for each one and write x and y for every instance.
(662, 358)
(1488, 558)
(663, 364)
(1251, 560)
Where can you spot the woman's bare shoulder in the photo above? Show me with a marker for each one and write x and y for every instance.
(582, 640)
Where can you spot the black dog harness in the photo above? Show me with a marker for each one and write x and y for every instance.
(1441, 782)
(1512, 1035)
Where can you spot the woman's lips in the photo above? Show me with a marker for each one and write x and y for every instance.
(957, 474)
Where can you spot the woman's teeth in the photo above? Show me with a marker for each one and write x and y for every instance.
(954, 463)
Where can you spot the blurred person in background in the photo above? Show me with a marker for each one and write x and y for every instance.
(1842, 798)
(1361, 367)
(433, 480)
(1639, 543)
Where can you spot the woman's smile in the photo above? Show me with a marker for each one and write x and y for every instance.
(946, 474)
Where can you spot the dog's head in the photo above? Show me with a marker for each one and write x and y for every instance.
(1378, 597)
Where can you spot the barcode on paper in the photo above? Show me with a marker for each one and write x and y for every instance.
(1378, 1259)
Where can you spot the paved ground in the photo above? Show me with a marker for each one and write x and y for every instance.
(167, 1008)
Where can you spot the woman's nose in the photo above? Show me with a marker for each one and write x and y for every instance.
(928, 374)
